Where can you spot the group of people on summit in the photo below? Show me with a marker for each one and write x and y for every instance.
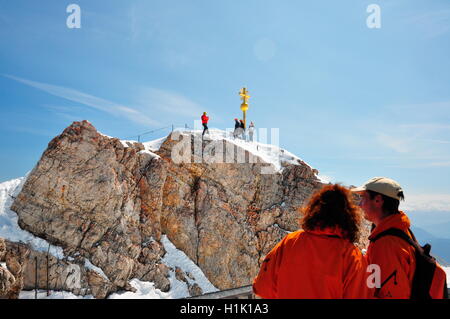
(239, 128)
(322, 261)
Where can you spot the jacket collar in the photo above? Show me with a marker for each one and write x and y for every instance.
(399, 221)
(328, 231)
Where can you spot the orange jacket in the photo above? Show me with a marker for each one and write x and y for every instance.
(397, 262)
(311, 264)
(395, 257)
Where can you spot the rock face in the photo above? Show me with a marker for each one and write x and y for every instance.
(31, 269)
(110, 203)
(7, 279)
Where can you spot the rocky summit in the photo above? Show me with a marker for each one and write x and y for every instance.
(110, 201)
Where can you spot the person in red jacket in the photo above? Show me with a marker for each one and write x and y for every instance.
(320, 261)
(205, 120)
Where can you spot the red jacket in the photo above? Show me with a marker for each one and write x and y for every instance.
(310, 265)
(205, 119)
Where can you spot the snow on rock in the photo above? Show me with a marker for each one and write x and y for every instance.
(325, 179)
(152, 155)
(154, 146)
(127, 143)
(173, 258)
(149, 147)
(271, 154)
(98, 270)
(176, 258)
(9, 227)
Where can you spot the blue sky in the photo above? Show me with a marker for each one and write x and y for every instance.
(353, 102)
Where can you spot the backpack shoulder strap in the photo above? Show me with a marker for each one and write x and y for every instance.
(397, 233)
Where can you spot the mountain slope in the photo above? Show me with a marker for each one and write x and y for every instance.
(112, 203)
(181, 286)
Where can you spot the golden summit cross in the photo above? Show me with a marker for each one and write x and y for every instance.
(244, 106)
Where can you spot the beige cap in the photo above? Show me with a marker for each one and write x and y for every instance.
(382, 185)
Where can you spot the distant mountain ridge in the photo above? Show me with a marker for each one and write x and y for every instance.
(436, 223)
(440, 247)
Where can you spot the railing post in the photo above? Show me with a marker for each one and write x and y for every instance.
(48, 285)
(36, 277)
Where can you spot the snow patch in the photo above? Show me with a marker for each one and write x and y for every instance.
(270, 154)
(127, 143)
(176, 258)
(105, 135)
(178, 289)
(152, 155)
(155, 145)
(98, 270)
(42, 294)
(325, 179)
(9, 227)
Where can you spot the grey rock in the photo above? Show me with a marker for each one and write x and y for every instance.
(111, 204)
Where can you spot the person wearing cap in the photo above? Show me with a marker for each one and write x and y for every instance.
(396, 258)
(380, 199)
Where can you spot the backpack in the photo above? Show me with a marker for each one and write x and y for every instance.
(428, 272)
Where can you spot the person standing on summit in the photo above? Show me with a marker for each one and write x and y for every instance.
(205, 120)
(251, 130)
(237, 128)
(242, 126)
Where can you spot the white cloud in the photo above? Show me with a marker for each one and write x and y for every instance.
(89, 100)
(440, 164)
(426, 202)
(432, 24)
(398, 144)
(170, 106)
(169, 102)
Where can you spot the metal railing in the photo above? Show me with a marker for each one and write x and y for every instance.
(245, 292)
(171, 127)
